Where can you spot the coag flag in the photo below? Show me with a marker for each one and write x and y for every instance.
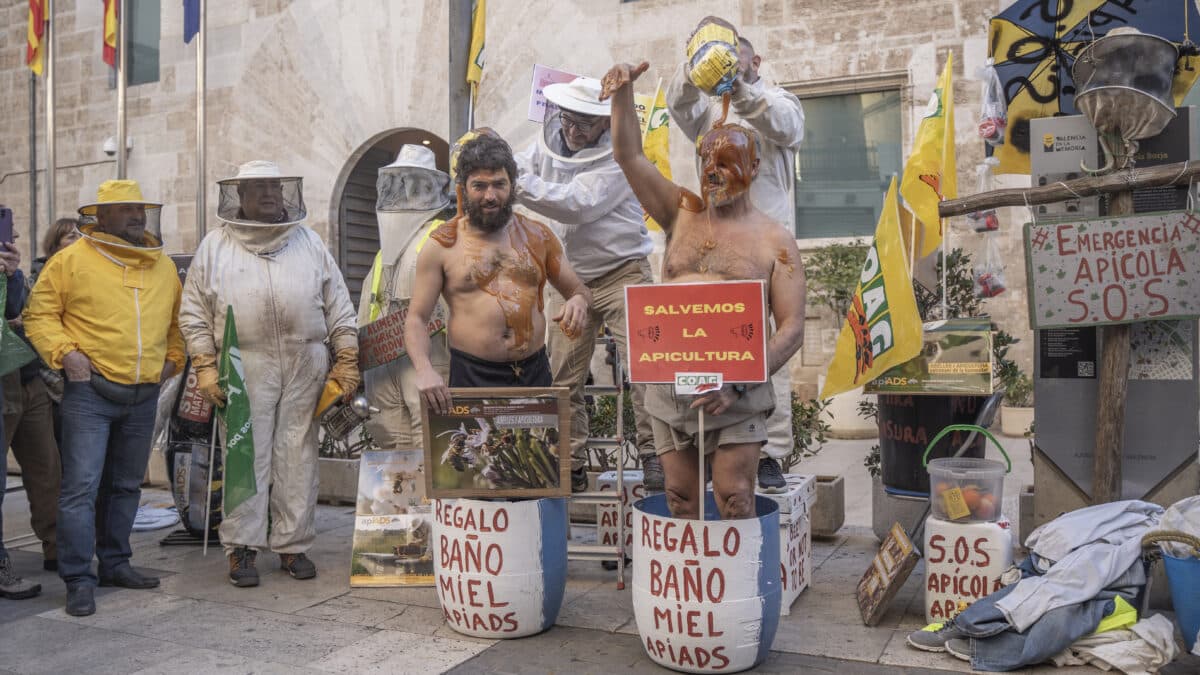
(930, 175)
(110, 32)
(35, 34)
(883, 327)
(656, 133)
(475, 64)
(240, 483)
(191, 19)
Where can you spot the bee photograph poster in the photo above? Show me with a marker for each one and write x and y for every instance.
(499, 442)
(392, 521)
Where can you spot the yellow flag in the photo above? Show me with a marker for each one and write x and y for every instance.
(475, 65)
(930, 174)
(656, 132)
(883, 327)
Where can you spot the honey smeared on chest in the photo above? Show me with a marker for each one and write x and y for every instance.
(516, 278)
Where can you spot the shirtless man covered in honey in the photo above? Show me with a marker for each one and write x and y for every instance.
(491, 266)
(718, 237)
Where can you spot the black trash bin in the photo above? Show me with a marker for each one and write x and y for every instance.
(908, 423)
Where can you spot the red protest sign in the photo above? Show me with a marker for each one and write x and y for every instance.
(711, 327)
(1113, 270)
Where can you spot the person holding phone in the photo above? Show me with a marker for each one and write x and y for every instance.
(105, 310)
(12, 586)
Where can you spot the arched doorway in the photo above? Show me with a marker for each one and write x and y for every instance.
(358, 232)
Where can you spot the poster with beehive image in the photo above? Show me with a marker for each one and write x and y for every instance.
(392, 522)
(499, 442)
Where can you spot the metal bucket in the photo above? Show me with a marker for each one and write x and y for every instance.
(706, 595)
(500, 566)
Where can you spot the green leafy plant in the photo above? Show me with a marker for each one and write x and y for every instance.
(1018, 392)
(869, 410)
(808, 430)
(832, 272)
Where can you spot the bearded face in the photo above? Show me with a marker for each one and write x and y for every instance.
(490, 198)
(729, 163)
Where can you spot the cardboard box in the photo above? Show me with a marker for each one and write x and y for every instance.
(956, 359)
(607, 514)
(795, 555)
(800, 495)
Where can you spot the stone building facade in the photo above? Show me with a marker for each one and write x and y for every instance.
(328, 88)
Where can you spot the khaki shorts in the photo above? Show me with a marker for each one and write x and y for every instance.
(752, 429)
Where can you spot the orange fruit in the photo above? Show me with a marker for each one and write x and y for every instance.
(987, 507)
(971, 496)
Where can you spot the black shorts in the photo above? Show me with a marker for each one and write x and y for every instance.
(472, 371)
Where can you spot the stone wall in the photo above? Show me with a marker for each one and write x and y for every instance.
(311, 83)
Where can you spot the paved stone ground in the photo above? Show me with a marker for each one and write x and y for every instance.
(197, 622)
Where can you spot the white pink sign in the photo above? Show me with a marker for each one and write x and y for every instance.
(544, 76)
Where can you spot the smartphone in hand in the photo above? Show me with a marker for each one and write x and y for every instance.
(6, 225)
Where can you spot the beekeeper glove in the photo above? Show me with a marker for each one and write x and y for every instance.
(205, 366)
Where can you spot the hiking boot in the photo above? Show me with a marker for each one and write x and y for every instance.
(14, 587)
(933, 638)
(126, 577)
(579, 480)
(298, 565)
(242, 572)
(652, 473)
(770, 476)
(961, 648)
(81, 600)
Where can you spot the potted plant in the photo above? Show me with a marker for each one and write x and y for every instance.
(832, 273)
(1016, 413)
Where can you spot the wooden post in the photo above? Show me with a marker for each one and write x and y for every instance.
(1113, 378)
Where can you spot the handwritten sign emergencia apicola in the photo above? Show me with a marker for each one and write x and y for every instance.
(1113, 270)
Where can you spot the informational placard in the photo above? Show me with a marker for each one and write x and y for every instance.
(544, 76)
(888, 572)
(1068, 353)
(1113, 270)
(955, 359)
(499, 442)
(704, 327)
(392, 522)
(382, 341)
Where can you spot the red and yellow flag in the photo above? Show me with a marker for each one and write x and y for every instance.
(35, 49)
(110, 32)
(930, 172)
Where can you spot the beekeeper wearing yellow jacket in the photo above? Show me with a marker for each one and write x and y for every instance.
(105, 310)
(291, 308)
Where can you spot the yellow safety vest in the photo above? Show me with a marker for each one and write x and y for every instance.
(377, 299)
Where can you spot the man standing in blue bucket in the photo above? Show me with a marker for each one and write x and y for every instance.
(707, 242)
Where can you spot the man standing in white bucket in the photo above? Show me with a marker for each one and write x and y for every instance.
(568, 175)
(718, 237)
(289, 300)
(414, 199)
(778, 118)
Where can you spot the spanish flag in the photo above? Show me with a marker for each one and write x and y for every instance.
(475, 65)
(930, 174)
(110, 32)
(35, 34)
(883, 327)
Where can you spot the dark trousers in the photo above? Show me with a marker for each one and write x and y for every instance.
(471, 371)
(29, 431)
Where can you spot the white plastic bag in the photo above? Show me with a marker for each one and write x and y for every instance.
(989, 275)
(993, 114)
(987, 220)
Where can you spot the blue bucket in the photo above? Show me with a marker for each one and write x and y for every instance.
(706, 595)
(1184, 577)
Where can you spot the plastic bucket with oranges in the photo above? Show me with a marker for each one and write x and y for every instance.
(966, 489)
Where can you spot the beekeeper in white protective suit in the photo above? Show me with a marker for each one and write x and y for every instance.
(569, 176)
(778, 118)
(414, 199)
(291, 307)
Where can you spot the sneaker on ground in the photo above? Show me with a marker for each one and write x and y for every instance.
(298, 565)
(652, 473)
(242, 572)
(770, 476)
(579, 480)
(14, 587)
(961, 648)
(933, 638)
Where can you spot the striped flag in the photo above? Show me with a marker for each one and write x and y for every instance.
(35, 34)
(240, 483)
(110, 32)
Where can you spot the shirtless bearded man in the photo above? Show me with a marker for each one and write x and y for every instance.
(718, 237)
(491, 267)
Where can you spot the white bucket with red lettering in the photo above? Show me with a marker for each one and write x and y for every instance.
(500, 566)
(963, 563)
(706, 595)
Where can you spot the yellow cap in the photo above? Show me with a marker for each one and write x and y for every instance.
(117, 192)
